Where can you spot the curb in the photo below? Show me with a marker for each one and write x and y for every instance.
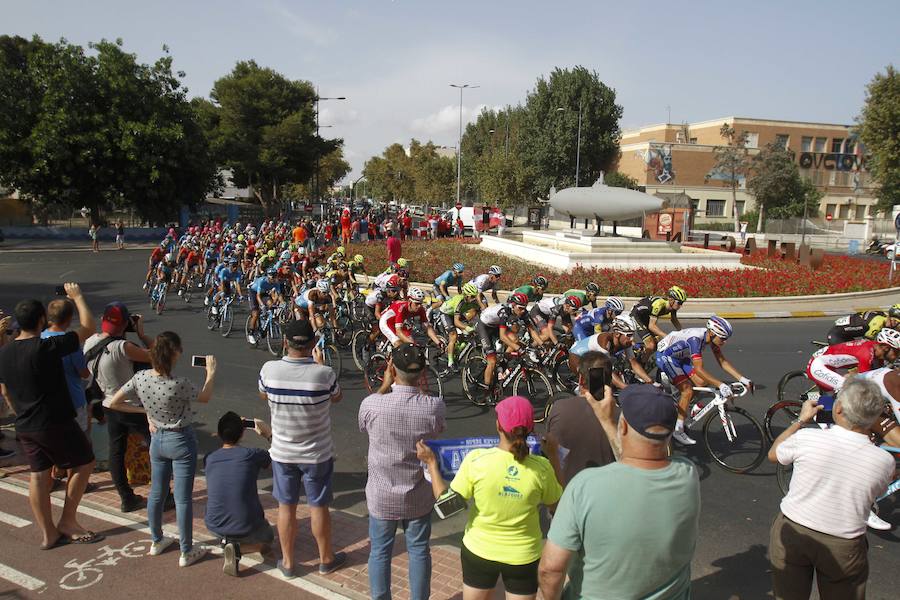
(33, 249)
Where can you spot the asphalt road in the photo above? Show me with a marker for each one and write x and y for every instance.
(730, 561)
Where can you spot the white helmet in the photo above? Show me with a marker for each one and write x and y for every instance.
(891, 337)
(495, 270)
(624, 324)
(416, 294)
(168, 257)
(719, 327)
(323, 286)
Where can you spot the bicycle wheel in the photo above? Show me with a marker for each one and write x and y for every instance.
(779, 416)
(795, 386)
(374, 372)
(430, 383)
(747, 448)
(473, 376)
(227, 320)
(437, 358)
(563, 377)
(161, 302)
(248, 331)
(535, 386)
(212, 321)
(273, 338)
(333, 359)
(361, 349)
(343, 334)
(783, 476)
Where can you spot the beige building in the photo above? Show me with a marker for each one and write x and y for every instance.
(672, 158)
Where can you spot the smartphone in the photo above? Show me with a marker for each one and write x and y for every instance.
(198, 361)
(598, 379)
(825, 417)
(450, 504)
(61, 290)
(248, 423)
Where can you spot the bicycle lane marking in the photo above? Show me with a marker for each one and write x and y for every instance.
(20, 579)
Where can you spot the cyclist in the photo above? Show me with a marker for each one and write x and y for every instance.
(547, 312)
(614, 343)
(191, 264)
(453, 317)
(165, 271)
(648, 310)
(680, 356)
(488, 282)
(260, 295)
(598, 319)
(588, 296)
(378, 300)
(497, 322)
(863, 325)
(314, 304)
(452, 276)
(227, 278)
(156, 257)
(357, 268)
(864, 355)
(395, 321)
(535, 290)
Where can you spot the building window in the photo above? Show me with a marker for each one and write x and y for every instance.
(740, 207)
(751, 139)
(695, 204)
(806, 144)
(693, 140)
(715, 208)
(841, 178)
(829, 209)
(781, 140)
(820, 144)
(850, 146)
(844, 211)
(836, 144)
(861, 212)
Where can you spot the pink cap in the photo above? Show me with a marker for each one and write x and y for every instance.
(515, 411)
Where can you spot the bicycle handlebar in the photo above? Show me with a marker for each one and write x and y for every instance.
(737, 387)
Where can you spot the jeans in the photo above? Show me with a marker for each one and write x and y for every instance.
(381, 537)
(173, 451)
(120, 425)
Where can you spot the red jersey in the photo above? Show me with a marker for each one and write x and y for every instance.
(345, 222)
(157, 254)
(858, 353)
(399, 312)
(193, 258)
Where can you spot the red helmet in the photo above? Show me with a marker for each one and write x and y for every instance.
(519, 299)
(393, 281)
(573, 301)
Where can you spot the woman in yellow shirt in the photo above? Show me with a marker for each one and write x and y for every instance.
(507, 483)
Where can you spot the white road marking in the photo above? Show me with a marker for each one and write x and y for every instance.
(172, 530)
(61, 275)
(13, 520)
(20, 579)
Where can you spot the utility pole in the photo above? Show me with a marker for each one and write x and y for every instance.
(460, 87)
(317, 99)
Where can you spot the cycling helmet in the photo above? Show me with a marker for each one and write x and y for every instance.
(301, 250)
(272, 271)
(341, 250)
(402, 263)
(168, 257)
(285, 255)
(321, 270)
(614, 304)
(592, 288)
(402, 273)
(232, 261)
(573, 301)
(241, 238)
(720, 328)
(393, 282)
(894, 311)
(270, 254)
(539, 281)
(624, 324)
(342, 266)
(676, 293)
(163, 244)
(459, 267)
(292, 247)
(470, 289)
(359, 259)
(495, 270)
(519, 299)
(416, 294)
(323, 286)
(285, 245)
(891, 337)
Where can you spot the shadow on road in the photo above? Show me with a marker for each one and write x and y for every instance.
(740, 577)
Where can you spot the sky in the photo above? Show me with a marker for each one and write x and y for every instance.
(395, 60)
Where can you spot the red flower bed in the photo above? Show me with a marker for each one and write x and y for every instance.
(772, 277)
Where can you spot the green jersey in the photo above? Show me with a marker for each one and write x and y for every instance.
(457, 305)
(578, 294)
(532, 292)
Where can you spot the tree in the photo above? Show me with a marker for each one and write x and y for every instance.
(619, 179)
(332, 168)
(79, 130)
(434, 176)
(805, 202)
(548, 141)
(879, 128)
(391, 175)
(774, 180)
(732, 164)
(265, 130)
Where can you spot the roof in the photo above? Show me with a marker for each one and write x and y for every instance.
(732, 119)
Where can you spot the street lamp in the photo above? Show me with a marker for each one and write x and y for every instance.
(577, 143)
(460, 87)
(317, 99)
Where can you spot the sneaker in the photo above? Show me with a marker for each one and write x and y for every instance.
(251, 339)
(190, 557)
(876, 522)
(206, 301)
(157, 548)
(231, 560)
(214, 311)
(339, 559)
(4, 454)
(132, 503)
(683, 438)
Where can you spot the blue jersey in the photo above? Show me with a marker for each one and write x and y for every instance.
(263, 286)
(227, 275)
(586, 323)
(210, 255)
(683, 346)
(446, 278)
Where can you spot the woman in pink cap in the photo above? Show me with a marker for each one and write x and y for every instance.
(507, 483)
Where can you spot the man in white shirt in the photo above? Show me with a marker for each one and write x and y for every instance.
(837, 475)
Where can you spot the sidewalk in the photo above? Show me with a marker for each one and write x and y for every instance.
(349, 533)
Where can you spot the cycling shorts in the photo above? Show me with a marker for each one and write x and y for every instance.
(436, 292)
(447, 322)
(822, 375)
(642, 333)
(675, 370)
(488, 336)
(838, 335)
(581, 347)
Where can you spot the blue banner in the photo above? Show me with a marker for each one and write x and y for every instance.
(450, 453)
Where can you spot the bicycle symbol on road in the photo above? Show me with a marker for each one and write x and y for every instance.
(87, 573)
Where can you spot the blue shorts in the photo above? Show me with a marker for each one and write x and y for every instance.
(315, 480)
(676, 371)
(301, 302)
(581, 347)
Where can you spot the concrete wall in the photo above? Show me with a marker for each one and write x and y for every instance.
(132, 234)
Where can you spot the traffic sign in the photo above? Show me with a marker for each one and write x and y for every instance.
(828, 217)
(897, 222)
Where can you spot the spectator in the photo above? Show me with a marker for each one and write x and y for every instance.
(346, 224)
(94, 233)
(572, 425)
(433, 222)
(838, 473)
(59, 318)
(503, 534)
(298, 234)
(7, 334)
(393, 248)
(173, 445)
(300, 391)
(460, 228)
(407, 225)
(233, 510)
(395, 418)
(34, 384)
(364, 228)
(113, 360)
(610, 524)
(354, 230)
(120, 235)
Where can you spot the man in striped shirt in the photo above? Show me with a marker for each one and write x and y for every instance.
(300, 391)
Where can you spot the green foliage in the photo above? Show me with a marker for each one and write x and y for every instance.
(732, 163)
(880, 131)
(95, 130)
(332, 168)
(794, 206)
(618, 179)
(421, 175)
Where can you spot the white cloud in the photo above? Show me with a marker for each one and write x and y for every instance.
(305, 29)
(446, 120)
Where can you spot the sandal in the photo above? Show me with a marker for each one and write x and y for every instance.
(62, 540)
(88, 537)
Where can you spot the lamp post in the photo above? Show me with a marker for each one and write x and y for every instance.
(317, 99)
(460, 87)
(577, 142)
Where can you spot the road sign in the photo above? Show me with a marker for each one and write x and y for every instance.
(897, 222)
(828, 217)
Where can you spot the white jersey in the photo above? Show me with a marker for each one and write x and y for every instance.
(484, 283)
(381, 280)
(876, 376)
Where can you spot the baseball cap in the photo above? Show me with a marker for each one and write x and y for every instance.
(299, 331)
(515, 411)
(645, 406)
(408, 358)
(115, 318)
